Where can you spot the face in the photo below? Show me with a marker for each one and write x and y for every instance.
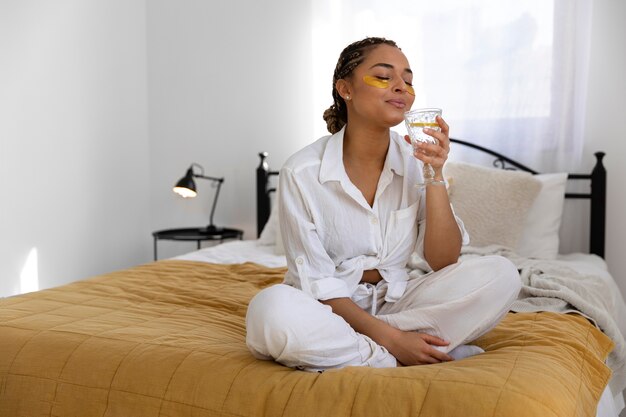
(379, 88)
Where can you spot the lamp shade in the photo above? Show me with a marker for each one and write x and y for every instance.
(186, 186)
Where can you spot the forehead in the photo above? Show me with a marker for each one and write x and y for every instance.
(385, 54)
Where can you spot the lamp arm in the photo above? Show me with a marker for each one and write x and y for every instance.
(217, 193)
(218, 180)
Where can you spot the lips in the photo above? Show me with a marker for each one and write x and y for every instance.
(399, 104)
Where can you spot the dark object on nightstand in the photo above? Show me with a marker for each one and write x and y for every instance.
(186, 188)
(197, 234)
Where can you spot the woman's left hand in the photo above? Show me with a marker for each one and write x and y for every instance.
(434, 154)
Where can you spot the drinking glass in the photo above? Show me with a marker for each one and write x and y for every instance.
(416, 120)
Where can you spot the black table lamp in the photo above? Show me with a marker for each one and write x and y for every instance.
(186, 187)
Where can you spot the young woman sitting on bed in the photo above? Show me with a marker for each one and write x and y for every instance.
(351, 215)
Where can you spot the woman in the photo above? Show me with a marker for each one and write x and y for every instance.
(350, 217)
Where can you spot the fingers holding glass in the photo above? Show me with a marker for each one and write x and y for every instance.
(441, 135)
(445, 129)
(434, 155)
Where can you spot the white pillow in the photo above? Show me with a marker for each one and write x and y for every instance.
(270, 235)
(540, 238)
(493, 203)
(271, 229)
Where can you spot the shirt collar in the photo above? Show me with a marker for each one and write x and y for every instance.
(332, 169)
(396, 154)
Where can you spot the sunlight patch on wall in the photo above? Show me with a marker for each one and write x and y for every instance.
(29, 277)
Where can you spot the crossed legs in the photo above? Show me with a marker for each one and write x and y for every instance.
(458, 303)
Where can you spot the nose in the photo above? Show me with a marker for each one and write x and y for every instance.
(402, 87)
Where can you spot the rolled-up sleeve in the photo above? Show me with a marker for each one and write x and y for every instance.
(310, 268)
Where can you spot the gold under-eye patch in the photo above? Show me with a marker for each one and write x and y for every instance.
(375, 82)
(380, 83)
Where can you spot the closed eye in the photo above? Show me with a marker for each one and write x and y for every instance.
(382, 78)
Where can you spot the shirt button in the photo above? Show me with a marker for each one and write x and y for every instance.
(299, 261)
(374, 220)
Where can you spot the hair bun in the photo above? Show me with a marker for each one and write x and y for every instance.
(333, 120)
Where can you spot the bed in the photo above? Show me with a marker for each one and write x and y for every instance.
(168, 339)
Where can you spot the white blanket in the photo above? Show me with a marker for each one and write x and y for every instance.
(552, 286)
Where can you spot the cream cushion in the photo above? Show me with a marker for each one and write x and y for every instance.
(493, 203)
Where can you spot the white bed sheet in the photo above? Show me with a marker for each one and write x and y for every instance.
(241, 251)
(237, 252)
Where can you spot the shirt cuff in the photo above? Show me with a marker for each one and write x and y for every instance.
(328, 288)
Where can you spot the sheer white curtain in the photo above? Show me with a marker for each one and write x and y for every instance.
(508, 74)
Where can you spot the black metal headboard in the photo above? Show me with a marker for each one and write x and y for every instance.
(264, 190)
(596, 195)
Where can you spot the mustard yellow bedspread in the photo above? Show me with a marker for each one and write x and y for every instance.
(167, 339)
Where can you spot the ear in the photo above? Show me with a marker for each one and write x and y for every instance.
(343, 88)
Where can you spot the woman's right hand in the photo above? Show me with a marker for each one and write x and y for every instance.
(412, 348)
(409, 348)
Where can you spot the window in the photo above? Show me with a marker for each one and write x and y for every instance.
(508, 75)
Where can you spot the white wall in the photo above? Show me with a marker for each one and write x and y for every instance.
(606, 121)
(226, 80)
(73, 138)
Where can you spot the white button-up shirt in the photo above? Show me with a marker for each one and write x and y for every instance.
(331, 234)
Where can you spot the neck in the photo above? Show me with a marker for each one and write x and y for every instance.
(369, 145)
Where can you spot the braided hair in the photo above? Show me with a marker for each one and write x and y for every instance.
(336, 116)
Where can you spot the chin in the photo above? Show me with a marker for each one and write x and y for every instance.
(394, 121)
(388, 119)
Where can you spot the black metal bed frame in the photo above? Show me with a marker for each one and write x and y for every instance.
(596, 195)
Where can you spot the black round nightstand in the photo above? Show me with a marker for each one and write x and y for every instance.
(198, 234)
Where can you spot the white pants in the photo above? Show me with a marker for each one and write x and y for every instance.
(458, 304)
